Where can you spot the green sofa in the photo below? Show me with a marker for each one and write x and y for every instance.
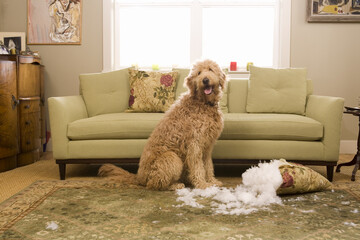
(92, 128)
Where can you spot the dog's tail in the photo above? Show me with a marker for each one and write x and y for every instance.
(114, 173)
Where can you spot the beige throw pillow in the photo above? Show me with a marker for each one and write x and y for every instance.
(151, 91)
(277, 90)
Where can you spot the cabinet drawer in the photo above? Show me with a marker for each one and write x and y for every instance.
(29, 105)
(29, 79)
(29, 131)
(30, 122)
(30, 141)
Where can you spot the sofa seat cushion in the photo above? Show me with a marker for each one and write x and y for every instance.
(267, 126)
(114, 126)
(238, 126)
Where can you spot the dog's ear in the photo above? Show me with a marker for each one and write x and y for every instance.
(223, 79)
(189, 83)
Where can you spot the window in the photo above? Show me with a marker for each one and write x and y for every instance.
(170, 32)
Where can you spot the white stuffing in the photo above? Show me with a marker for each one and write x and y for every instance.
(307, 211)
(355, 211)
(296, 199)
(257, 191)
(350, 224)
(52, 225)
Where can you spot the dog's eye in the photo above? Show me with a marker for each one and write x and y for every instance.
(199, 73)
(210, 70)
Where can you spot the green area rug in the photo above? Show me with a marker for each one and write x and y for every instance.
(99, 210)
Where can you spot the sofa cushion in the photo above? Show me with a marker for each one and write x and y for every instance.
(114, 126)
(266, 126)
(151, 91)
(300, 179)
(237, 126)
(180, 88)
(238, 91)
(277, 90)
(105, 92)
(182, 74)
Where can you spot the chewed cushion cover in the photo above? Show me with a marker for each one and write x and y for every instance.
(277, 90)
(300, 179)
(151, 91)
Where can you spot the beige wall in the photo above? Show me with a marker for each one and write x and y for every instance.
(63, 63)
(328, 50)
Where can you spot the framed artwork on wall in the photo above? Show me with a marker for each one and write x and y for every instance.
(13, 40)
(54, 21)
(333, 11)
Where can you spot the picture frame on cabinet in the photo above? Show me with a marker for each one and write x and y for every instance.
(3, 48)
(13, 40)
(334, 11)
(54, 22)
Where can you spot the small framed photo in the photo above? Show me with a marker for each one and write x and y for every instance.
(14, 40)
(333, 11)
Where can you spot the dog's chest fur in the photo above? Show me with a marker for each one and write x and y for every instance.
(197, 119)
(187, 122)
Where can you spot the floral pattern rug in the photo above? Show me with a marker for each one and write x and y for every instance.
(99, 210)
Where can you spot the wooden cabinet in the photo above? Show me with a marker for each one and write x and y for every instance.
(22, 114)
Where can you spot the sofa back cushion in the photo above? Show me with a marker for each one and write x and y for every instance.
(105, 92)
(182, 74)
(238, 91)
(276, 90)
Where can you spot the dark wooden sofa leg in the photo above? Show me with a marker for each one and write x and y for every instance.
(330, 172)
(62, 170)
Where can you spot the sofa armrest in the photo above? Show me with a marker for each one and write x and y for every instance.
(63, 110)
(329, 112)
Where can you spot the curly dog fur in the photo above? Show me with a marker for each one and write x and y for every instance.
(179, 149)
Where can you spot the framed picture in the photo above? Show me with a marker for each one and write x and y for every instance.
(54, 21)
(333, 11)
(13, 40)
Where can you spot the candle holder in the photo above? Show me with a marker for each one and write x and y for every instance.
(233, 66)
(155, 67)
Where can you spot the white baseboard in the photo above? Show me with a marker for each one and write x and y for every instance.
(348, 147)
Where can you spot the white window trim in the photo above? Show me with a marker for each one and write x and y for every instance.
(282, 49)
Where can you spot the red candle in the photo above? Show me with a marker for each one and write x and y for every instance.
(233, 66)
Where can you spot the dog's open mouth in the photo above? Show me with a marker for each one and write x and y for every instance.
(208, 90)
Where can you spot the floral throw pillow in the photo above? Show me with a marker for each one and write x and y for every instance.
(300, 179)
(151, 91)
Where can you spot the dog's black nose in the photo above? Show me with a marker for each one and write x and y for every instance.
(206, 81)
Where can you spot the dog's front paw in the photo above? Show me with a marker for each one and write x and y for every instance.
(203, 185)
(176, 186)
(215, 182)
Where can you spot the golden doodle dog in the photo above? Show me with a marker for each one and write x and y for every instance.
(178, 151)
